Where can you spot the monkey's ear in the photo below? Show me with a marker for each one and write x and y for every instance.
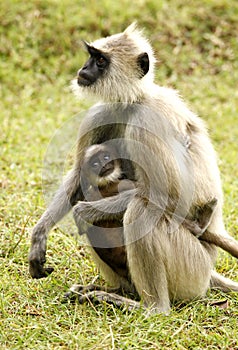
(144, 63)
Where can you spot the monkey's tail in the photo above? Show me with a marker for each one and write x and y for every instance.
(222, 283)
(228, 243)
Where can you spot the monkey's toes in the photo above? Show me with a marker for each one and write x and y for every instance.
(69, 296)
(48, 271)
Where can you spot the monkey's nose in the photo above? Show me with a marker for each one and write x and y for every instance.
(107, 169)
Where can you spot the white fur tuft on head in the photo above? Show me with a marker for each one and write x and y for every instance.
(138, 37)
(131, 28)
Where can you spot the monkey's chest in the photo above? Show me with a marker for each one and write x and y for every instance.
(106, 238)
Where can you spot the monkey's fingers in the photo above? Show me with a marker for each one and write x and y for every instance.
(69, 296)
(37, 270)
(48, 270)
(80, 289)
(193, 227)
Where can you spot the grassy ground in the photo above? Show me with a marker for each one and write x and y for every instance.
(197, 48)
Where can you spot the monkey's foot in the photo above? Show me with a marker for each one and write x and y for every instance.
(98, 294)
(78, 290)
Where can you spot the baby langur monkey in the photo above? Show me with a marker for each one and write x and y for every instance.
(102, 176)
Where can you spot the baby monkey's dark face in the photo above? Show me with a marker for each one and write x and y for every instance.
(101, 165)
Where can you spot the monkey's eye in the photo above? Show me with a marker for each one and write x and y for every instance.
(95, 164)
(106, 157)
(101, 62)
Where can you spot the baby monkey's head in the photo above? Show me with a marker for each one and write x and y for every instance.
(101, 165)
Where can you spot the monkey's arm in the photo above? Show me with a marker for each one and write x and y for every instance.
(67, 195)
(103, 209)
(125, 185)
(90, 132)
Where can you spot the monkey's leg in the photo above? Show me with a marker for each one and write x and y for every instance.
(222, 283)
(164, 267)
(103, 209)
(150, 281)
(67, 195)
(146, 261)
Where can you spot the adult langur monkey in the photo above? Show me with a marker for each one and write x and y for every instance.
(166, 262)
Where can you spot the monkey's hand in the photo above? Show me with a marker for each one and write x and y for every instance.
(103, 209)
(37, 253)
(199, 224)
(193, 227)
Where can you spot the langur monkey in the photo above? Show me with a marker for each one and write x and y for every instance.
(147, 119)
(102, 176)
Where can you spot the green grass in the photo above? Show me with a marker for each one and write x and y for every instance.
(197, 49)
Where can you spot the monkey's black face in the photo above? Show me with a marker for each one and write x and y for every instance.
(107, 169)
(102, 164)
(94, 68)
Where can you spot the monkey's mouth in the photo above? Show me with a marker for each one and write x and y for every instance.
(82, 81)
(104, 173)
(85, 78)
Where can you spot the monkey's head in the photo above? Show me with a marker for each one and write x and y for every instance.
(119, 68)
(101, 165)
